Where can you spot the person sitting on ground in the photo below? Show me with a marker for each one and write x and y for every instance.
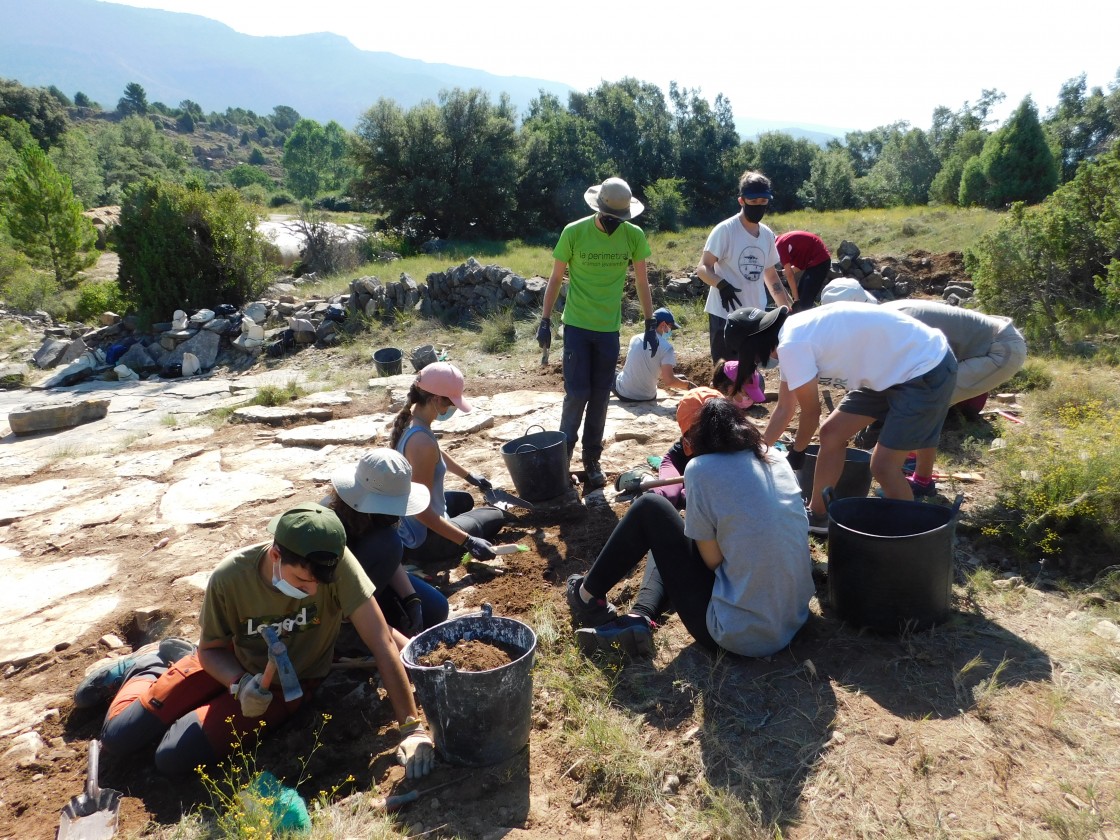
(736, 569)
(451, 524)
(641, 373)
(843, 345)
(302, 582)
(674, 461)
(806, 252)
(370, 498)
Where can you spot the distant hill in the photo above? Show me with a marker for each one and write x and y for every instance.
(98, 48)
(749, 129)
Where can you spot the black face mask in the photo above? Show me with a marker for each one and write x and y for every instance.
(610, 223)
(754, 212)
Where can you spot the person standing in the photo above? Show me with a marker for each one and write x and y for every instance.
(806, 252)
(595, 251)
(739, 252)
(641, 374)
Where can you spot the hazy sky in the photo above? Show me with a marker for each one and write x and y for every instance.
(815, 62)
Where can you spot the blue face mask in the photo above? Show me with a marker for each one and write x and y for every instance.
(282, 586)
(447, 414)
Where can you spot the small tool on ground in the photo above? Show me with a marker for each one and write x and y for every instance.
(93, 814)
(280, 663)
(637, 481)
(544, 356)
(399, 800)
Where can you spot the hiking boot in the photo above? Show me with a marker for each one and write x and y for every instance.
(818, 522)
(595, 476)
(919, 489)
(631, 635)
(102, 684)
(588, 613)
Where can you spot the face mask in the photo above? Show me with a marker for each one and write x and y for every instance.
(610, 223)
(282, 586)
(447, 414)
(754, 212)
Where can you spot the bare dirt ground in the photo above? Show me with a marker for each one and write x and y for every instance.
(1002, 722)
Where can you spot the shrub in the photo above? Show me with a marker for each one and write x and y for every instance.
(95, 298)
(256, 157)
(28, 290)
(280, 199)
(243, 175)
(666, 203)
(182, 248)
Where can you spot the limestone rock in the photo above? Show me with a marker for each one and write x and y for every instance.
(44, 418)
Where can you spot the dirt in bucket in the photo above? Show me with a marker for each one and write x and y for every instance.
(473, 655)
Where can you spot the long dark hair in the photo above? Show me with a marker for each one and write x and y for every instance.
(416, 396)
(721, 381)
(355, 522)
(723, 427)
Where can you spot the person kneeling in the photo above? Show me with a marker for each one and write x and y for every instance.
(737, 569)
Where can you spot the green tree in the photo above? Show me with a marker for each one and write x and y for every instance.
(453, 164)
(134, 101)
(83, 101)
(44, 219)
(284, 118)
(75, 157)
(1079, 127)
(946, 185)
(132, 151)
(903, 172)
(788, 162)
(557, 150)
(831, 182)
(706, 141)
(1017, 162)
(182, 248)
(973, 191)
(43, 114)
(315, 158)
(243, 175)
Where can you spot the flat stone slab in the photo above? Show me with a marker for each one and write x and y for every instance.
(325, 398)
(353, 431)
(48, 417)
(208, 496)
(519, 403)
(279, 415)
(108, 501)
(387, 383)
(467, 424)
(272, 379)
(16, 502)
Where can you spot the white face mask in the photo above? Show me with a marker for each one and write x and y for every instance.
(282, 586)
(447, 414)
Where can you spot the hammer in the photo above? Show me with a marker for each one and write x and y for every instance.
(280, 662)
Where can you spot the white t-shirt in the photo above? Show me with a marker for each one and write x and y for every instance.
(740, 260)
(853, 345)
(641, 372)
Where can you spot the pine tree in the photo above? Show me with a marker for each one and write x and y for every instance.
(1017, 161)
(44, 219)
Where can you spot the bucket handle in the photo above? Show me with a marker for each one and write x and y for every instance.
(828, 499)
(534, 426)
(525, 447)
(956, 508)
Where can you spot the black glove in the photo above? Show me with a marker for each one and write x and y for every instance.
(728, 295)
(479, 549)
(413, 613)
(649, 340)
(796, 458)
(544, 334)
(480, 481)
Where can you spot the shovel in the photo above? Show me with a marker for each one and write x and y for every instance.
(493, 495)
(93, 814)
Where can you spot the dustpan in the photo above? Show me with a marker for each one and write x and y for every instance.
(92, 814)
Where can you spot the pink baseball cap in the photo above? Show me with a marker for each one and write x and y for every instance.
(444, 380)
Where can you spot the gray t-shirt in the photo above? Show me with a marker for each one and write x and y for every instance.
(753, 509)
(641, 372)
(969, 333)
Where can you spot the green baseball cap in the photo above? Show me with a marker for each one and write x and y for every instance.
(313, 532)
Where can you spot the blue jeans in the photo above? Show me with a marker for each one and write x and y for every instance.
(589, 368)
(379, 553)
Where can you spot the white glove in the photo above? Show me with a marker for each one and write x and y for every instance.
(417, 752)
(253, 697)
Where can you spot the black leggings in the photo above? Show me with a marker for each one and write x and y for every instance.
(677, 567)
(484, 522)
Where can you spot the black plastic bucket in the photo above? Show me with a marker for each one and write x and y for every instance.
(388, 361)
(855, 480)
(477, 718)
(538, 464)
(890, 562)
(423, 356)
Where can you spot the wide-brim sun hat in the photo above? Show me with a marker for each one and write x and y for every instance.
(846, 289)
(381, 482)
(444, 380)
(614, 198)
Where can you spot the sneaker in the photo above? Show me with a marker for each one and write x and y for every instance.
(919, 489)
(818, 522)
(102, 684)
(630, 635)
(588, 613)
(595, 476)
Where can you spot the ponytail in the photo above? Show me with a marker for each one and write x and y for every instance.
(416, 396)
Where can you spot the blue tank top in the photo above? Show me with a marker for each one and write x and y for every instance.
(412, 531)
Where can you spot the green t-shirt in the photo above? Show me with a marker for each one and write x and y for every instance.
(597, 266)
(238, 603)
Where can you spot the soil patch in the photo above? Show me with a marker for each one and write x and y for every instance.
(472, 655)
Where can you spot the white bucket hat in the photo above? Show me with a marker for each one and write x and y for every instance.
(846, 288)
(614, 198)
(381, 483)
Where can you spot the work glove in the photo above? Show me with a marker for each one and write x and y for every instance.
(544, 334)
(480, 481)
(417, 752)
(479, 549)
(728, 295)
(649, 340)
(795, 458)
(414, 614)
(253, 697)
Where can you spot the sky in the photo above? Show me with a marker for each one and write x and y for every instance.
(810, 63)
